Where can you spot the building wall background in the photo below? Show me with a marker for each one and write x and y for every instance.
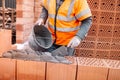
(28, 12)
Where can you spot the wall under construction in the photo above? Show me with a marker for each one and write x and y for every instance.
(80, 69)
(103, 39)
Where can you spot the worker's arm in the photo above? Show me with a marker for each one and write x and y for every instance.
(84, 28)
(43, 16)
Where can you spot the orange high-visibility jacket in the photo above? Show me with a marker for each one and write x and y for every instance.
(70, 13)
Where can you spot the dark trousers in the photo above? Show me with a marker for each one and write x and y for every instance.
(54, 46)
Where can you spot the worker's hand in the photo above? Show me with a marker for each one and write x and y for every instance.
(74, 42)
(40, 21)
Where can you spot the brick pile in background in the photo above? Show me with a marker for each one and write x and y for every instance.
(25, 19)
(103, 39)
(10, 18)
(82, 68)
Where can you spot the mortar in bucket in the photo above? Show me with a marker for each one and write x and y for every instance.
(40, 38)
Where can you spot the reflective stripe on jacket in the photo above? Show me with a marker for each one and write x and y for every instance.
(70, 13)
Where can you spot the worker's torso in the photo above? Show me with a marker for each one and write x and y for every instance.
(66, 23)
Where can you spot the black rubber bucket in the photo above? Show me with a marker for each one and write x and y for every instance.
(40, 38)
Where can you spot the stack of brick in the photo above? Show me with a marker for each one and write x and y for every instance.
(9, 21)
(10, 18)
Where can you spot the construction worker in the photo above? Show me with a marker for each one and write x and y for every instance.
(68, 21)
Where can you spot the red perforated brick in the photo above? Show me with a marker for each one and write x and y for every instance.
(102, 54)
(116, 32)
(93, 30)
(90, 39)
(105, 31)
(101, 39)
(94, 62)
(115, 46)
(85, 44)
(30, 70)
(76, 52)
(107, 18)
(115, 55)
(91, 69)
(108, 5)
(115, 64)
(85, 53)
(118, 6)
(94, 4)
(116, 40)
(103, 45)
(7, 69)
(57, 71)
(95, 16)
(117, 18)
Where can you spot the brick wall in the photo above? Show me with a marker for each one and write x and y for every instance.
(28, 12)
(81, 69)
(103, 39)
(37, 9)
